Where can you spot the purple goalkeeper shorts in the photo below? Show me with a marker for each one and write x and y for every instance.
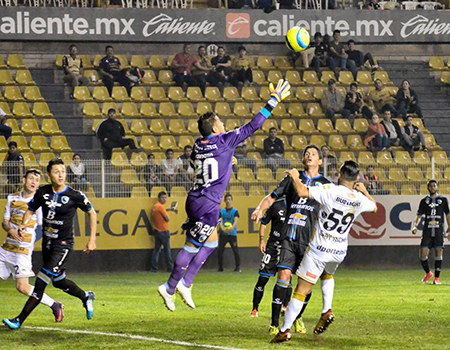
(203, 217)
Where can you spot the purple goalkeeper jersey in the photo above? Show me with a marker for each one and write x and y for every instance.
(212, 158)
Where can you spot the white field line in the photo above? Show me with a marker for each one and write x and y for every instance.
(132, 336)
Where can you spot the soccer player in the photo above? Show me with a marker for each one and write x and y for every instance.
(59, 204)
(301, 217)
(16, 251)
(212, 162)
(339, 207)
(271, 251)
(434, 207)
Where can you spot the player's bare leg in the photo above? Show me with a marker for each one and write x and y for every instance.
(438, 257)
(424, 261)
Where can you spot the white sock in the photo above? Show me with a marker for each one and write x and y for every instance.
(46, 300)
(327, 293)
(292, 311)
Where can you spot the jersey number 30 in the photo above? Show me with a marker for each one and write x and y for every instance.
(206, 171)
(338, 221)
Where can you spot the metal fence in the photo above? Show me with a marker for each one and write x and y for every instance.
(123, 178)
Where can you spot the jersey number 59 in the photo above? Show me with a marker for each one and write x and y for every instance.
(337, 221)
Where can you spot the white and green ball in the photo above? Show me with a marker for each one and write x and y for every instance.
(297, 39)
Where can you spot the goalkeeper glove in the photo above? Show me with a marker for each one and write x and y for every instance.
(281, 91)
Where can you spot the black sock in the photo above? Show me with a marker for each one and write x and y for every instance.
(279, 294)
(305, 304)
(69, 287)
(33, 300)
(288, 296)
(425, 266)
(437, 268)
(258, 292)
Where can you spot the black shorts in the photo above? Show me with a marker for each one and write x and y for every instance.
(55, 256)
(291, 255)
(270, 258)
(432, 242)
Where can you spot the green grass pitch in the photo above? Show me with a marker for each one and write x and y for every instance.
(375, 309)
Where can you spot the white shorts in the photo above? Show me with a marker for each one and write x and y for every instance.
(17, 265)
(311, 269)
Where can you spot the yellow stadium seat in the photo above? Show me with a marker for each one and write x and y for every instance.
(22, 145)
(203, 107)
(364, 78)
(437, 175)
(165, 77)
(343, 126)
(33, 94)
(82, 94)
(93, 77)
(176, 127)
(293, 157)
(384, 158)
(6, 78)
(148, 143)
(384, 77)
(125, 126)
(87, 64)
(440, 158)
(342, 90)
(346, 78)
(100, 94)
(256, 190)
(95, 124)
(176, 94)
(402, 158)
(296, 110)
(264, 175)
(299, 142)
(447, 173)
(41, 110)
(289, 127)
(129, 177)
(3, 64)
(430, 142)
(185, 140)
(194, 94)
(5, 108)
(415, 174)
(317, 140)
(445, 78)
(186, 110)
(139, 127)
(30, 127)
(419, 123)
(232, 124)
(21, 110)
(97, 59)
(241, 110)
(259, 142)
(13, 94)
(325, 126)
(436, 63)
(264, 93)
(120, 94)
(23, 77)
(293, 77)
(280, 111)
(129, 110)
(138, 159)
(139, 61)
(178, 191)
(424, 189)
(355, 143)
(157, 62)
(157, 94)
(246, 175)
(167, 110)
(231, 94)
(391, 189)
(408, 189)
(149, 78)
(223, 110)
(15, 61)
(397, 175)
(314, 110)
(123, 61)
(269, 124)
(259, 78)
(155, 190)
(237, 190)
(326, 76)
(193, 127)
(307, 127)
(39, 144)
(110, 105)
(303, 94)
(336, 143)
(158, 127)
(212, 94)
(256, 156)
(45, 158)
(381, 174)
(344, 156)
(29, 160)
(50, 127)
(66, 157)
(422, 158)
(257, 106)
(12, 123)
(310, 78)
(283, 63)
(139, 94)
(365, 159)
(361, 126)
(168, 142)
(265, 63)
(119, 159)
(148, 110)
(59, 144)
(274, 76)
(444, 189)
(139, 192)
(318, 92)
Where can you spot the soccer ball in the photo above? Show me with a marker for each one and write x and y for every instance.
(297, 39)
(228, 225)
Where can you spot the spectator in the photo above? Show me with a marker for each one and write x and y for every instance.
(110, 69)
(376, 138)
(182, 65)
(221, 66)
(242, 68)
(360, 58)
(333, 102)
(228, 232)
(73, 69)
(169, 170)
(392, 128)
(240, 153)
(112, 134)
(354, 101)
(407, 101)
(203, 75)
(14, 167)
(152, 173)
(274, 151)
(329, 161)
(287, 5)
(185, 170)
(5, 130)
(77, 173)
(372, 181)
(321, 57)
(413, 137)
(130, 78)
(160, 223)
(381, 98)
(372, 5)
(337, 52)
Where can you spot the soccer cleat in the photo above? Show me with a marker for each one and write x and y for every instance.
(89, 305)
(12, 323)
(427, 277)
(299, 326)
(283, 310)
(254, 313)
(282, 337)
(169, 300)
(437, 281)
(58, 311)
(325, 320)
(186, 294)
(273, 330)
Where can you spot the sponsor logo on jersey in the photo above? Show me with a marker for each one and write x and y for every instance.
(347, 202)
(323, 249)
(309, 274)
(297, 219)
(64, 199)
(332, 238)
(370, 226)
